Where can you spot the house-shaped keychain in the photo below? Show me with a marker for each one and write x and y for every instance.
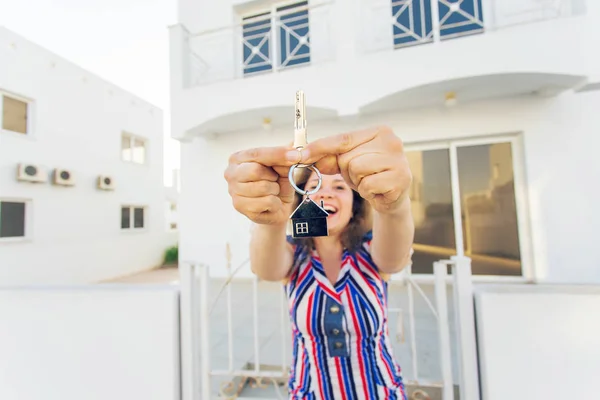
(309, 220)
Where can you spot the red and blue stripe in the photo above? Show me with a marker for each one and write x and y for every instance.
(356, 361)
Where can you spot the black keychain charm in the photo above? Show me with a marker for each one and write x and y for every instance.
(309, 219)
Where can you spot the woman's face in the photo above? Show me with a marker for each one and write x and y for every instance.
(337, 200)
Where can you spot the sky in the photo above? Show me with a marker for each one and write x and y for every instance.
(125, 42)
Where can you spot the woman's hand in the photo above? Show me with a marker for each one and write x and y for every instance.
(259, 186)
(371, 161)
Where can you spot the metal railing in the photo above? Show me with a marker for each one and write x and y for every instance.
(198, 377)
(278, 39)
(415, 22)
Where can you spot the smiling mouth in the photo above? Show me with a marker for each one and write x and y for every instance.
(330, 210)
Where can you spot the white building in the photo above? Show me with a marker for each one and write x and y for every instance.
(81, 172)
(172, 201)
(496, 101)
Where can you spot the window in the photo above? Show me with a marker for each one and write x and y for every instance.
(276, 38)
(488, 229)
(133, 217)
(12, 219)
(133, 149)
(460, 17)
(489, 211)
(15, 114)
(413, 20)
(302, 227)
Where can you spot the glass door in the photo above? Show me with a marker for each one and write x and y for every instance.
(464, 202)
(432, 208)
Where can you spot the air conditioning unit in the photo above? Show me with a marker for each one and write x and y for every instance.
(63, 177)
(106, 182)
(31, 173)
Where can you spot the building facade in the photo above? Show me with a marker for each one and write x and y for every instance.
(81, 172)
(171, 202)
(495, 100)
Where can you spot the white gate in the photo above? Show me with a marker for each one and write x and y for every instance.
(197, 373)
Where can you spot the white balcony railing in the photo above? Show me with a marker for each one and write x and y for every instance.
(300, 34)
(280, 38)
(395, 24)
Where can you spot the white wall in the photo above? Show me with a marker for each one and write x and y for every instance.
(538, 342)
(81, 342)
(171, 215)
(559, 169)
(75, 233)
(172, 200)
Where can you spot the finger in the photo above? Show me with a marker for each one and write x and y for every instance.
(363, 165)
(328, 165)
(256, 205)
(337, 144)
(265, 217)
(286, 191)
(282, 172)
(254, 189)
(383, 187)
(253, 172)
(376, 146)
(268, 156)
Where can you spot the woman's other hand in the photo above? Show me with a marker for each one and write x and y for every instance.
(372, 162)
(259, 186)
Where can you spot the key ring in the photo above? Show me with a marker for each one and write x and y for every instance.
(296, 188)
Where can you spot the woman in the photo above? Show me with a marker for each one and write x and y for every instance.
(336, 284)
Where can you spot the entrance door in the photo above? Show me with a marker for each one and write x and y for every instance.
(464, 203)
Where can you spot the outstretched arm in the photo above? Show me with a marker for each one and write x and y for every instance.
(393, 235)
(271, 256)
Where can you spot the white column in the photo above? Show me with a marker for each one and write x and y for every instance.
(465, 328)
(179, 56)
(348, 23)
(343, 16)
(590, 11)
(189, 374)
(441, 305)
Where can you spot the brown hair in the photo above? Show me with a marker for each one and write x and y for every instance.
(360, 223)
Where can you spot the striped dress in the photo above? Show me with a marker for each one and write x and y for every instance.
(341, 345)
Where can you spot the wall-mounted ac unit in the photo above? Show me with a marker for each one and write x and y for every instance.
(31, 173)
(63, 177)
(106, 182)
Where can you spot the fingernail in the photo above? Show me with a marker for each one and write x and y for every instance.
(292, 155)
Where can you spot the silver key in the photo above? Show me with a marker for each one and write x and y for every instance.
(300, 136)
(309, 219)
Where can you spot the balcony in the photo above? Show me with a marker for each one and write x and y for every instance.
(416, 22)
(269, 42)
(421, 49)
(299, 35)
